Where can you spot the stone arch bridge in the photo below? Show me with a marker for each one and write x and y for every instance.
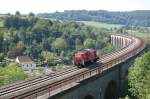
(111, 83)
(106, 79)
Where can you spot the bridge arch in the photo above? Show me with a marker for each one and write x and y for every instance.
(88, 97)
(111, 90)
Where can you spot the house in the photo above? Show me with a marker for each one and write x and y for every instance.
(26, 62)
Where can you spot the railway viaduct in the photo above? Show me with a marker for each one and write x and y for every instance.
(105, 79)
(108, 85)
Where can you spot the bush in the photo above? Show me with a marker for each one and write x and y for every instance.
(139, 79)
(11, 73)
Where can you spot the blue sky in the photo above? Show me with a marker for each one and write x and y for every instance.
(40, 6)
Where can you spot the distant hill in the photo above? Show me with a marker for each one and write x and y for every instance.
(136, 18)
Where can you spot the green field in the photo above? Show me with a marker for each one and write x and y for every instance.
(101, 25)
(108, 26)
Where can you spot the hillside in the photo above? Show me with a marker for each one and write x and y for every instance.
(139, 79)
(48, 40)
(136, 18)
(101, 25)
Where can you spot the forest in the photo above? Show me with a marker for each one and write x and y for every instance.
(29, 35)
(135, 18)
(139, 79)
(49, 43)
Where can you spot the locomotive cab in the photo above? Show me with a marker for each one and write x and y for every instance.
(85, 56)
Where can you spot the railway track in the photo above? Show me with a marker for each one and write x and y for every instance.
(22, 85)
(32, 82)
(36, 81)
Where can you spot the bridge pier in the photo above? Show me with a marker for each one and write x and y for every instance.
(119, 41)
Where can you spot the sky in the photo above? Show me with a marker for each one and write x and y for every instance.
(41, 6)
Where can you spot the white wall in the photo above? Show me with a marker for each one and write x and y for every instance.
(28, 66)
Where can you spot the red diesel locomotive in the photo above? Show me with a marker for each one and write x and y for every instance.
(85, 56)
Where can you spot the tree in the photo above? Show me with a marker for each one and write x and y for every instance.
(36, 50)
(59, 44)
(46, 45)
(16, 22)
(1, 42)
(11, 73)
(41, 30)
(78, 44)
(48, 56)
(31, 14)
(13, 53)
(17, 13)
(21, 45)
(30, 35)
(89, 43)
(1, 57)
(139, 79)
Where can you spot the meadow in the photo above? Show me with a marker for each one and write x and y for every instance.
(101, 25)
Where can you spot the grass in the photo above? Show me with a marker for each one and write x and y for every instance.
(101, 25)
